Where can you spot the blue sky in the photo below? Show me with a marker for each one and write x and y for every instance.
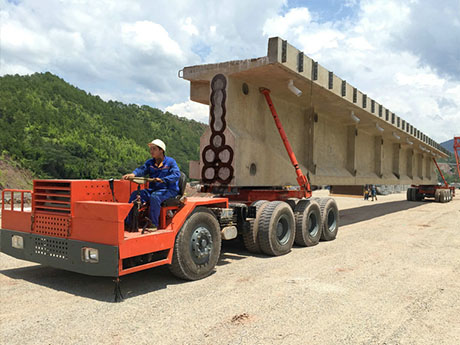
(404, 54)
(327, 10)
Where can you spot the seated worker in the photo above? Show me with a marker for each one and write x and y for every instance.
(166, 175)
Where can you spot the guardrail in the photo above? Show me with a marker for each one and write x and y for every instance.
(11, 201)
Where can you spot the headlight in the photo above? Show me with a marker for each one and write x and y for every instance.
(90, 255)
(17, 242)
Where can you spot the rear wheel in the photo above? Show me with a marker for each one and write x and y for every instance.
(329, 219)
(418, 196)
(437, 195)
(442, 196)
(308, 223)
(292, 202)
(276, 228)
(250, 237)
(409, 194)
(197, 246)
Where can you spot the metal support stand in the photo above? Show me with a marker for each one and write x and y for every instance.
(117, 291)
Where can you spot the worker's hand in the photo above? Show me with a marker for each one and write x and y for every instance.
(128, 176)
(158, 180)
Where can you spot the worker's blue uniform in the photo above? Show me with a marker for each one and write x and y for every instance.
(169, 173)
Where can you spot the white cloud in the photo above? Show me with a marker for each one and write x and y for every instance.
(190, 110)
(420, 80)
(314, 41)
(363, 52)
(188, 27)
(149, 37)
(295, 20)
(8, 67)
(404, 54)
(19, 39)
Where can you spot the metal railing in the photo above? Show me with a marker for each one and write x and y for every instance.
(11, 201)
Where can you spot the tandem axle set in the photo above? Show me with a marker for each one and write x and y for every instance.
(440, 193)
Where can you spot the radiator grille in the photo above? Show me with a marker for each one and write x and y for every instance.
(51, 225)
(53, 248)
(52, 197)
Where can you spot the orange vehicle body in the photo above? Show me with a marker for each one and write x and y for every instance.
(85, 211)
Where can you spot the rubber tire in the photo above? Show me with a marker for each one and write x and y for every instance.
(182, 265)
(446, 195)
(409, 194)
(437, 195)
(328, 205)
(414, 194)
(292, 202)
(442, 196)
(303, 211)
(267, 236)
(418, 197)
(250, 237)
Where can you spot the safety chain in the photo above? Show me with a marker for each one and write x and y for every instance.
(217, 156)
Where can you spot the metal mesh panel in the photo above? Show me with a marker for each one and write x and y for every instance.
(51, 247)
(97, 191)
(51, 225)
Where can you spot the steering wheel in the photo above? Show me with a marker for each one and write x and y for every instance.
(141, 180)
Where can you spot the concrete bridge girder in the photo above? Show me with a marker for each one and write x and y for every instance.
(339, 135)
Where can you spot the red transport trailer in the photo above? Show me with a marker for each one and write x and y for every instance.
(440, 193)
(78, 225)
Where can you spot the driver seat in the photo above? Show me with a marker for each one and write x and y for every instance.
(176, 200)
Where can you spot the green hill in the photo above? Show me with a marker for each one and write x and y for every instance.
(59, 131)
(452, 175)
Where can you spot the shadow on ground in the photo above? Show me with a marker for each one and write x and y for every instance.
(97, 288)
(363, 213)
(158, 278)
(102, 288)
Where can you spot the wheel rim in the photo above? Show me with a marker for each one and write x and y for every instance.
(201, 245)
(313, 227)
(331, 220)
(283, 230)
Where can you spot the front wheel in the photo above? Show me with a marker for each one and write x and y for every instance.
(197, 246)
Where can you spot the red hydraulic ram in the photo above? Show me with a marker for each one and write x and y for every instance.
(301, 178)
(457, 153)
(440, 172)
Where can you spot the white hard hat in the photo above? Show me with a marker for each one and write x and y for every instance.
(159, 143)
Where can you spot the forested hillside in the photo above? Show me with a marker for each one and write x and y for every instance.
(59, 131)
(452, 175)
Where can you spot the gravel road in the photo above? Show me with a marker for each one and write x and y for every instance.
(392, 276)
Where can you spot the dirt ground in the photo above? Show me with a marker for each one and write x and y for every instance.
(392, 276)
